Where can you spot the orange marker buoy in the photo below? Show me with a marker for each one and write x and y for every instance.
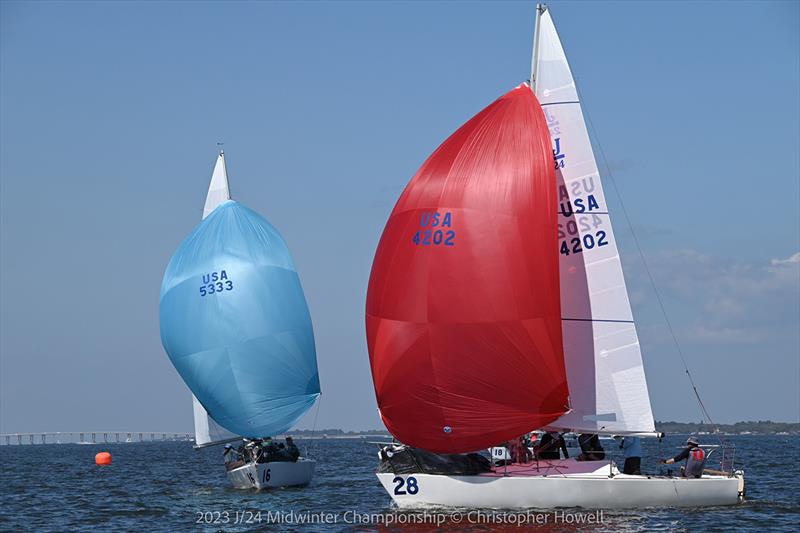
(103, 458)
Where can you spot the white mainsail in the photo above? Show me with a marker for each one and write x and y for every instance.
(608, 390)
(206, 431)
(218, 190)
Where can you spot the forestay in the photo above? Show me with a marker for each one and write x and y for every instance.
(608, 390)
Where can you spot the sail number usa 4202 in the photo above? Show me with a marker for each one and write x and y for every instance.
(583, 229)
(434, 229)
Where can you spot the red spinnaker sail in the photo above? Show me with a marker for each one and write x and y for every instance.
(463, 307)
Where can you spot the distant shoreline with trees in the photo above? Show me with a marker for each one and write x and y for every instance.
(759, 427)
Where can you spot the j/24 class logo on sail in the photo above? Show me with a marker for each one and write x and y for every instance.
(215, 282)
(558, 156)
(434, 230)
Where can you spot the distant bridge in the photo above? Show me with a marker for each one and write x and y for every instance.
(94, 437)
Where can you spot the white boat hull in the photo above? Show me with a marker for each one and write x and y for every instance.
(554, 487)
(273, 475)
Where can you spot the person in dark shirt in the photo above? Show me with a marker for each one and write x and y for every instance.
(591, 449)
(694, 456)
(292, 449)
(550, 446)
(267, 451)
(282, 454)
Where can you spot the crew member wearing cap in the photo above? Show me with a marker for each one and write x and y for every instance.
(231, 457)
(228, 453)
(695, 459)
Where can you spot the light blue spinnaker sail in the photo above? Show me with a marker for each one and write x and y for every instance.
(235, 323)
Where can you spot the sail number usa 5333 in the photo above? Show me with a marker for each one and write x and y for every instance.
(215, 282)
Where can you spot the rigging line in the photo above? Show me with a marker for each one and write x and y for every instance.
(704, 411)
(314, 426)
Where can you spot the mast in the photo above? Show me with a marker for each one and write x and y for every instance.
(540, 9)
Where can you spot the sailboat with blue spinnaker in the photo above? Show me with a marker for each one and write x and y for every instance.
(236, 326)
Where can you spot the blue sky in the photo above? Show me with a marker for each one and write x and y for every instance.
(110, 115)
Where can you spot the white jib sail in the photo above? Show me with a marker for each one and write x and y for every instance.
(206, 431)
(608, 390)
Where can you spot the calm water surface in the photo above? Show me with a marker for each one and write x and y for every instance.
(165, 486)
